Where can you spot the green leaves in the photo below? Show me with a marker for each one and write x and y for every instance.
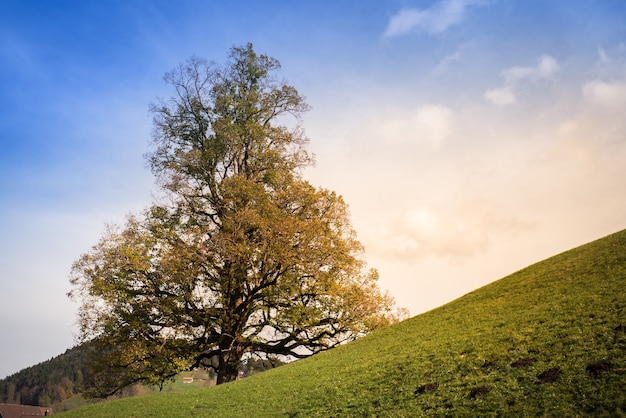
(245, 257)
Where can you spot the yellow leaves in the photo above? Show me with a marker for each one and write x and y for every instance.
(244, 246)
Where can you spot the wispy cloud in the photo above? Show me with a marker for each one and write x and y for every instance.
(501, 96)
(462, 229)
(433, 20)
(604, 57)
(425, 127)
(546, 68)
(605, 94)
(514, 76)
(448, 61)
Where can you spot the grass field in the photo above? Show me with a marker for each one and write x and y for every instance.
(549, 340)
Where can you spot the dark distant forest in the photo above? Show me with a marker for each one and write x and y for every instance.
(49, 382)
(55, 381)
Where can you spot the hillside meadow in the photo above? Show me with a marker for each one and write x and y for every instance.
(549, 340)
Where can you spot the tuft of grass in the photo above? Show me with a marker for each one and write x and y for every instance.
(549, 340)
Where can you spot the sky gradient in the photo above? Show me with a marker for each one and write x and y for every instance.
(470, 138)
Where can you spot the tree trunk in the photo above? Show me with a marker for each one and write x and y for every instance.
(228, 369)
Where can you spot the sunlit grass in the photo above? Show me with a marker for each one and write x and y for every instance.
(549, 340)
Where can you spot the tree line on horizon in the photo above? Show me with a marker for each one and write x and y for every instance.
(52, 382)
(47, 383)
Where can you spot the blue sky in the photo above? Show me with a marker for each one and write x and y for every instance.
(470, 137)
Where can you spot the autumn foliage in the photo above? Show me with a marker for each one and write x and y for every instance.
(242, 257)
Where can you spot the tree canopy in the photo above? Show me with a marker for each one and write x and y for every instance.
(243, 257)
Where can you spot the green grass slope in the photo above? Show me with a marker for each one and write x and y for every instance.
(549, 340)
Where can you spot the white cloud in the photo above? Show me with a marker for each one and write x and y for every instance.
(428, 125)
(448, 60)
(433, 20)
(501, 96)
(458, 229)
(500, 192)
(433, 124)
(605, 94)
(514, 76)
(593, 139)
(545, 69)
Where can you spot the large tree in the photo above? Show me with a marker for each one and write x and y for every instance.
(243, 257)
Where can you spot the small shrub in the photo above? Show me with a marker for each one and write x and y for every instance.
(596, 369)
(479, 391)
(524, 362)
(550, 375)
(428, 387)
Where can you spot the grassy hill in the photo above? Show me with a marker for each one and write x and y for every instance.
(549, 340)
